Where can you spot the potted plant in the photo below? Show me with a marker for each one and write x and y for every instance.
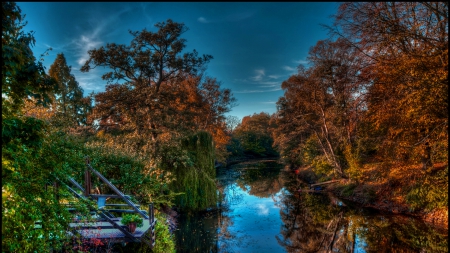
(132, 221)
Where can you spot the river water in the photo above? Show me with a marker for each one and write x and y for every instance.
(261, 210)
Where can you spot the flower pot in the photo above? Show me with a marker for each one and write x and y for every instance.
(132, 227)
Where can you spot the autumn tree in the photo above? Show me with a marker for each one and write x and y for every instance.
(157, 97)
(144, 80)
(70, 104)
(319, 114)
(407, 46)
(254, 134)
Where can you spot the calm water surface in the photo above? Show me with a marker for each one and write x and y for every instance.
(262, 211)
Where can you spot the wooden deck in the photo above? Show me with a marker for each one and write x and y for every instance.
(107, 226)
(104, 229)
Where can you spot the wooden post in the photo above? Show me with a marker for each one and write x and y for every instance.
(87, 183)
(152, 216)
(87, 178)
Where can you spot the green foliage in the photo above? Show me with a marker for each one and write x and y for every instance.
(431, 192)
(354, 162)
(132, 218)
(369, 194)
(29, 164)
(195, 174)
(321, 166)
(22, 76)
(235, 148)
(310, 150)
(254, 136)
(165, 242)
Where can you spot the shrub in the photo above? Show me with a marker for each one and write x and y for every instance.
(132, 218)
(165, 242)
(430, 193)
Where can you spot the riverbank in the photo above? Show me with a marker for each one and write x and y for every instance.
(385, 191)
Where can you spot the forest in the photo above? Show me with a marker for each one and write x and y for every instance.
(370, 107)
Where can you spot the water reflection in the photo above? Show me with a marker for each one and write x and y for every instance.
(262, 211)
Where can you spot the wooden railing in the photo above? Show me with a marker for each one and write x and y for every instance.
(149, 235)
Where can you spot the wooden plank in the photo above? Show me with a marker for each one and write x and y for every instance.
(103, 230)
(119, 227)
(119, 205)
(120, 210)
(113, 196)
(76, 184)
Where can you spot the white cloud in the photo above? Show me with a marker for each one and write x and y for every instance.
(260, 73)
(203, 20)
(85, 44)
(303, 62)
(288, 68)
(261, 81)
(262, 209)
(258, 91)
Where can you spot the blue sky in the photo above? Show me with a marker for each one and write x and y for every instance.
(256, 46)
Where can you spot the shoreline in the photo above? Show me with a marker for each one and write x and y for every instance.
(379, 196)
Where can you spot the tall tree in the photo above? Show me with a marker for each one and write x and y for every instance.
(22, 76)
(31, 156)
(148, 68)
(322, 105)
(407, 44)
(68, 96)
(156, 91)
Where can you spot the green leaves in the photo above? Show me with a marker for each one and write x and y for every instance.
(22, 75)
(254, 134)
(132, 218)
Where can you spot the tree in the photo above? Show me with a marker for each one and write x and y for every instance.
(254, 134)
(150, 68)
(162, 93)
(322, 107)
(407, 46)
(232, 123)
(68, 96)
(22, 76)
(27, 147)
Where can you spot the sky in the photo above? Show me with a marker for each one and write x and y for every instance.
(255, 46)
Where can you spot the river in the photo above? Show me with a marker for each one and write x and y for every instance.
(261, 210)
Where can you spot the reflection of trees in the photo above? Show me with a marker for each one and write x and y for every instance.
(313, 224)
(310, 225)
(263, 179)
(384, 233)
(199, 232)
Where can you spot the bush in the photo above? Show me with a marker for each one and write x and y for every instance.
(321, 167)
(165, 242)
(430, 193)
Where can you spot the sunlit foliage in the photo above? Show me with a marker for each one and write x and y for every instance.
(254, 136)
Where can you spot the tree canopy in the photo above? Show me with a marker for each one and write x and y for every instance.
(156, 90)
